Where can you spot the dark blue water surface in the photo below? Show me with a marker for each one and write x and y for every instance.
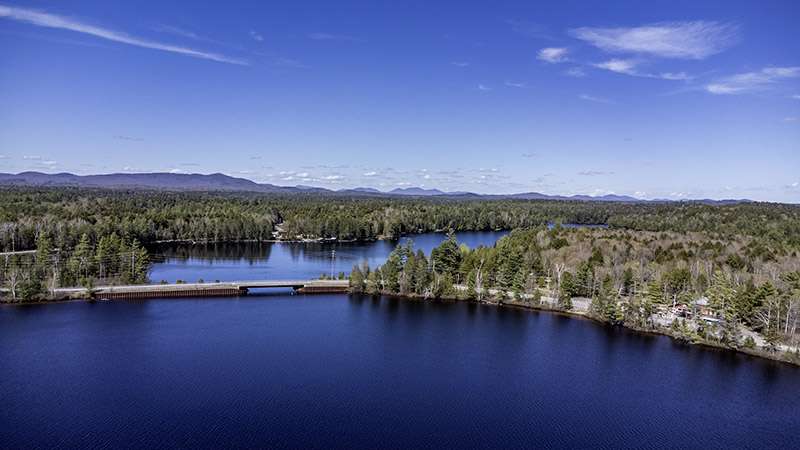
(287, 260)
(337, 371)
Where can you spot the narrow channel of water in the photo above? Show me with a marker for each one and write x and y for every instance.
(286, 260)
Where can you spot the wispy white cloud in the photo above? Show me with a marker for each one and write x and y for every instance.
(120, 137)
(553, 55)
(371, 173)
(48, 20)
(752, 81)
(791, 119)
(592, 98)
(515, 84)
(594, 173)
(677, 76)
(483, 87)
(319, 36)
(626, 66)
(679, 194)
(599, 192)
(256, 36)
(177, 31)
(40, 161)
(576, 72)
(682, 40)
(796, 96)
(460, 63)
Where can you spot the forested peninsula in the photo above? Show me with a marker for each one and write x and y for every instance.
(719, 291)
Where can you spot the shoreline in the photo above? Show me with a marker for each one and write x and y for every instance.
(778, 356)
(755, 352)
(291, 241)
(314, 240)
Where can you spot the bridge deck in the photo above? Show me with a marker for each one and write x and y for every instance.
(224, 288)
(246, 284)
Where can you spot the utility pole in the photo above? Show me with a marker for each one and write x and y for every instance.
(333, 261)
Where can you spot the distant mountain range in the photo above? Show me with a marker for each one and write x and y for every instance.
(222, 182)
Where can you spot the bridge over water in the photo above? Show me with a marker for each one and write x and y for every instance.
(216, 289)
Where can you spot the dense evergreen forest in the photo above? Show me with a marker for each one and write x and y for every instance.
(86, 236)
(66, 214)
(728, 291)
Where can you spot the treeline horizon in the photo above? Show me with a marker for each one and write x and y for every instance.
(81, 221)
(65, 214)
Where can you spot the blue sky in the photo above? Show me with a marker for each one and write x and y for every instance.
(672, 99)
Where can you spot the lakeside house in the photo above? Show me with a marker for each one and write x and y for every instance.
(702, 311)
(701, 307)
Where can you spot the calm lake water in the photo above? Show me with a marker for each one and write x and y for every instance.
(287, 260)
(332, 371)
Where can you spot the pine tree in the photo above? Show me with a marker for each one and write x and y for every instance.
(447, 256)
(141, 262)
(44, 255)
(124, 263)
(442, 284)
(627, 281)
(103, 256)
(44, 269)
(446, 287)
(357, 280)
(597, 257)
(721, 295)
(80, 263)
(518, 284)
(472, 284)
(421, 274)
(584, 280)
(655, 295)
(610, 311)
(567, 291)
(391, 269)
(372, 286)
(510, 264)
